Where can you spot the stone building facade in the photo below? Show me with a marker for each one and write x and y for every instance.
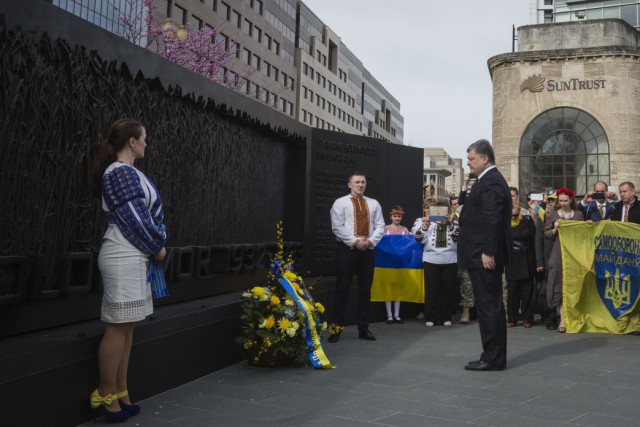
(566, 106)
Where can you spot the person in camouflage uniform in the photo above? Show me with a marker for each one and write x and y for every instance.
(464, 282)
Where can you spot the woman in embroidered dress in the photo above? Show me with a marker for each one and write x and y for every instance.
(440, 263)
(396, 229)
(134, 234)
(566, 211)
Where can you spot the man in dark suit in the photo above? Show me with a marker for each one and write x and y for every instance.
(596, 205)
(484, 247)
(628, 210)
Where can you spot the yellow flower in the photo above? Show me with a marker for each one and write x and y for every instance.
(268, 322)
(291, 332)
(275, 300)
(319, 307)
(290, 276)
(289, 302)
(284, 324)
(260, 293)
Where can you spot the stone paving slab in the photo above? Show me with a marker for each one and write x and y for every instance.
(413, 376)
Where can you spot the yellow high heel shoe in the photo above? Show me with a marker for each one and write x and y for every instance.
(132, 409)
(98, 401)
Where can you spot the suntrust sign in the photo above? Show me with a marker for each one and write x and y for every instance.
(536, 83)
(575, 84)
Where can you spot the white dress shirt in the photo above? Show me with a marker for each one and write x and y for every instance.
(342, 220)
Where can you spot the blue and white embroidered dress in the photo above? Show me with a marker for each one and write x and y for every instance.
(135, 232)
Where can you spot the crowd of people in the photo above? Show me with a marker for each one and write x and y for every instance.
(469, 244)
(487, 237)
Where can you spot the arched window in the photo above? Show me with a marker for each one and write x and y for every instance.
(563, 147)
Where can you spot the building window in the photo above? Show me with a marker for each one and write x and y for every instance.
(196, 23)
(211, 4)
(257, 34)
(267, 41)
(255, 61)
(630, 14)
(163, 7)
(179, 15)
(563, 147)
(225, 11)
(246, 56)
(225, 40)
(247, 27)
(236, 18)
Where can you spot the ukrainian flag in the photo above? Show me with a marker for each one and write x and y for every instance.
(601, 276)
(398, 272)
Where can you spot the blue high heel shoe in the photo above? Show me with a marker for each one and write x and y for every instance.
(132, 409)
(110, 417)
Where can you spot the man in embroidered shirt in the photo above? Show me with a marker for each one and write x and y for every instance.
(627, 210)
(358, 225)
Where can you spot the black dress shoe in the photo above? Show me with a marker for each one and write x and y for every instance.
(390, 320)
(482, 366)
(334, 337)
(398, 320)
(475, 362)
(366, 335)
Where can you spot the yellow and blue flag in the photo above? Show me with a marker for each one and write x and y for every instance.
(601, 276)
(398, 272)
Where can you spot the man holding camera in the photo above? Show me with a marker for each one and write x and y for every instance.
(597, 205)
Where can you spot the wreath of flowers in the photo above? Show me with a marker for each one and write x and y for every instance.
(272, 323)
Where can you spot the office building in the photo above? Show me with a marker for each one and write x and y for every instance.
(284, 56)
(547, 11)
(443, 161)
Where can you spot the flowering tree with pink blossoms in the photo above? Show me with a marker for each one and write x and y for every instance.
(200, 51)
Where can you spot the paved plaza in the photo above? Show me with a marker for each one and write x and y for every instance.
(413, 376)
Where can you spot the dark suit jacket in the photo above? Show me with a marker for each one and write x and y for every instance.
(634, 212)
(591, 211)
(485, 222)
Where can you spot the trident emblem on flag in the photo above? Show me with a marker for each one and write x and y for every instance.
(618, 291)
(618, 287)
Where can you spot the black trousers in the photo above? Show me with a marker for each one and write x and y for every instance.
(440, 291)
(519, 293)
(487, 291)
(353, 262)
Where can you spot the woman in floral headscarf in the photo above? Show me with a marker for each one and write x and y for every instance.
(566, 211)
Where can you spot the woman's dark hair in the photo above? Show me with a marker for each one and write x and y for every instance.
(106, 151)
